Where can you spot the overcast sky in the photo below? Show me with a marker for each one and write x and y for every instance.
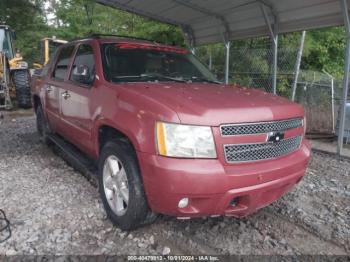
(49, 15)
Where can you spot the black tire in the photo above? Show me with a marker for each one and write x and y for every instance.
(138, 212)
(21, 81)
(42, 126)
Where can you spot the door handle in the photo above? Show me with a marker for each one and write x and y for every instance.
(65, 95)
(48, 88)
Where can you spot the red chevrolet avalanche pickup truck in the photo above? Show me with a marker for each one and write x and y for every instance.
(163, 135)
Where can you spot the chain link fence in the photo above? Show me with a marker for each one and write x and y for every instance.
(252, 67)
(321, 95)
(318, 92)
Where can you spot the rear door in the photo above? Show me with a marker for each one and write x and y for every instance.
(54, 84)
(76, 108)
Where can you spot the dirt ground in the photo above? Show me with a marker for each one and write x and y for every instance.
(55, 210)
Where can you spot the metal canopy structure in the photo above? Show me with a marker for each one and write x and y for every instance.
(212, 21)
(208, 21)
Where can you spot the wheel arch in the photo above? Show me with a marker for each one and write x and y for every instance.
(106, 132)
(36, 102)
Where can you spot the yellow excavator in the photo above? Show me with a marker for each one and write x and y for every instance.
(14, 72)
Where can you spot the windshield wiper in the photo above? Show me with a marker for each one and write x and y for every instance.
(150, 76)
(164, 77)
(203, 79)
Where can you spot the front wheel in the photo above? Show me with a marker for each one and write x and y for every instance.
(120, 186)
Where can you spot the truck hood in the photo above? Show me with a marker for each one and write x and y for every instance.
(213, 105)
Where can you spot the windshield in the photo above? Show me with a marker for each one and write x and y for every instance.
(5, 42)
(152, 63)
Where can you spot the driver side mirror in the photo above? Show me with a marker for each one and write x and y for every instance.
(82, 74)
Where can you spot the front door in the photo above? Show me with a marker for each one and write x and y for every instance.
(76, 109)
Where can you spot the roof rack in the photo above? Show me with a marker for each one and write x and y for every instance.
(98, 36)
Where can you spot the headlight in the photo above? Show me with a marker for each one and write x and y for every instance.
(186, 141)
(304, 124)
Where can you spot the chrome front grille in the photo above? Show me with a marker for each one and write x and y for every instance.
(259, 128)
(263, 151)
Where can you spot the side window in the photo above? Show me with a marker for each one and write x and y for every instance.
(62, 63)
(83, 71)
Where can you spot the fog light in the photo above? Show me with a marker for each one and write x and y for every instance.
(183, 202)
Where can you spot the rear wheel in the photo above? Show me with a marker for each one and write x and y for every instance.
(21, 81)
(42, 126)
(121, 187)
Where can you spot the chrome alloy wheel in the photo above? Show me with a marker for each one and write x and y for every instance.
(115, 185)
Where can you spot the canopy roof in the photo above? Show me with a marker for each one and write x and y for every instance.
(209, 21)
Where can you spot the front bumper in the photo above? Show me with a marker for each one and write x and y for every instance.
(211, 185)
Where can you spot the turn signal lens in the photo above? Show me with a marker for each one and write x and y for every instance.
(161, 139)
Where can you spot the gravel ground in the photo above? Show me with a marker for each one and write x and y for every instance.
(55, 210)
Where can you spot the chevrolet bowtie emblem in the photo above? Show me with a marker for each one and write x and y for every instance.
(275, 137)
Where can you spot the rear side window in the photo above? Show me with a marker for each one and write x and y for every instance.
(84, 60)
(62, 64)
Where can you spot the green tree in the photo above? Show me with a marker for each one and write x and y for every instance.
(79, 18)
(324, 50)
(27, 19)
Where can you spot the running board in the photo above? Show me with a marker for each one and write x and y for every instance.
(75, 158)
